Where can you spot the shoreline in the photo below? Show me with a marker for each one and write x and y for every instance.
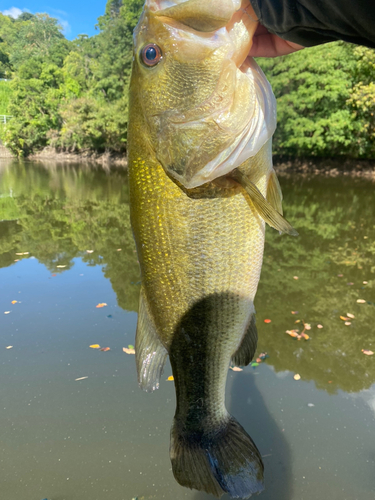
(284, 166)
(105, 159)
(325, 167)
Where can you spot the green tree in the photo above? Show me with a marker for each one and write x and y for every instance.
(35, 102)
(39, 38)
(362, 100)
(5, 96)
(312, 88)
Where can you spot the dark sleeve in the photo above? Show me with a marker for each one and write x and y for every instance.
(312, 22)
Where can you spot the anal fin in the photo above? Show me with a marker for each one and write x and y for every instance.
(248, 345)
(150, 354)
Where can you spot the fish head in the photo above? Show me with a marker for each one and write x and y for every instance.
(207, 107)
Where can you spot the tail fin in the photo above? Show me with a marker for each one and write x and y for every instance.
(223, 462)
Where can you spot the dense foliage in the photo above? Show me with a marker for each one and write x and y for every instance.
(70, 95)
(326, 100)
(73, 95)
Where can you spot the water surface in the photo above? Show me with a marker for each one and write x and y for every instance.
(101, 437)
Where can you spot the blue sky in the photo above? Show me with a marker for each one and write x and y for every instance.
(76, 16)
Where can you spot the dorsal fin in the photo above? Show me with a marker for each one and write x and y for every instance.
(150, 354)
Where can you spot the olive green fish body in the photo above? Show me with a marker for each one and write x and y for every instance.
(200, 253)
(202, 186)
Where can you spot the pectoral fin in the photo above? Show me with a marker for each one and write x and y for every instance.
(274, 194)
(268, 213)
(150, 354)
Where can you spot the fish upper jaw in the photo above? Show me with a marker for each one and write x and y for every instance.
(205, 16)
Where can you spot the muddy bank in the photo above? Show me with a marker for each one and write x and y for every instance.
(5, 153)
(82, 157)
(52, 154)
(329, 167)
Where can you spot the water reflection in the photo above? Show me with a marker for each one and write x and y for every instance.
(58, 213)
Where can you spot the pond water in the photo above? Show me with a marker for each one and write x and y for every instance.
(66, 246)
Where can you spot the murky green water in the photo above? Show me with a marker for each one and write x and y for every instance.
(101, 437)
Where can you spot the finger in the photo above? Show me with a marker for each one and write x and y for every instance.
(266, 44)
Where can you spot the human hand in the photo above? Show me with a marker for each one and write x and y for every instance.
(266, 44)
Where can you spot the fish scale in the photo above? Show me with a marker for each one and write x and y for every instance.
(203, 251)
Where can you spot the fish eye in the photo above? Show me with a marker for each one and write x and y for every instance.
(151, 54)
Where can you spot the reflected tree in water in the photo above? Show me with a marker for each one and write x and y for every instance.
(57, 213)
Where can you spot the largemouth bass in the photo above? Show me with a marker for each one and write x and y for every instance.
(202, 186)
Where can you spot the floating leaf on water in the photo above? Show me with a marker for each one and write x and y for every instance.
(344, 318)
(170, 378)
(340, 275)
(294, 312)
(130, 346)
(319, 326)
(361, 301)
(89, 251)
(295, 277)
(310, 405)
(14, 301)
(350, 315)
(9, 347)
(61, 266)
(109, 316)
(297, 377)
(19, 253)
(365, 282)
(298, 321)
(254, 364)
(105, 349)
(95, 346)
(263, 355)
(102, 304)
(119, 249)
(350, 283)
(16, 260)
(80, 378)
(293, 333)
(347, 323)
(305, 336)
(236, 368)
(128, 351)
(367, 352)
(53, 275)
(307, 326)
(6, 312)
(267, 321)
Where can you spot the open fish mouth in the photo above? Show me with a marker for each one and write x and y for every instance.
(217, 133)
